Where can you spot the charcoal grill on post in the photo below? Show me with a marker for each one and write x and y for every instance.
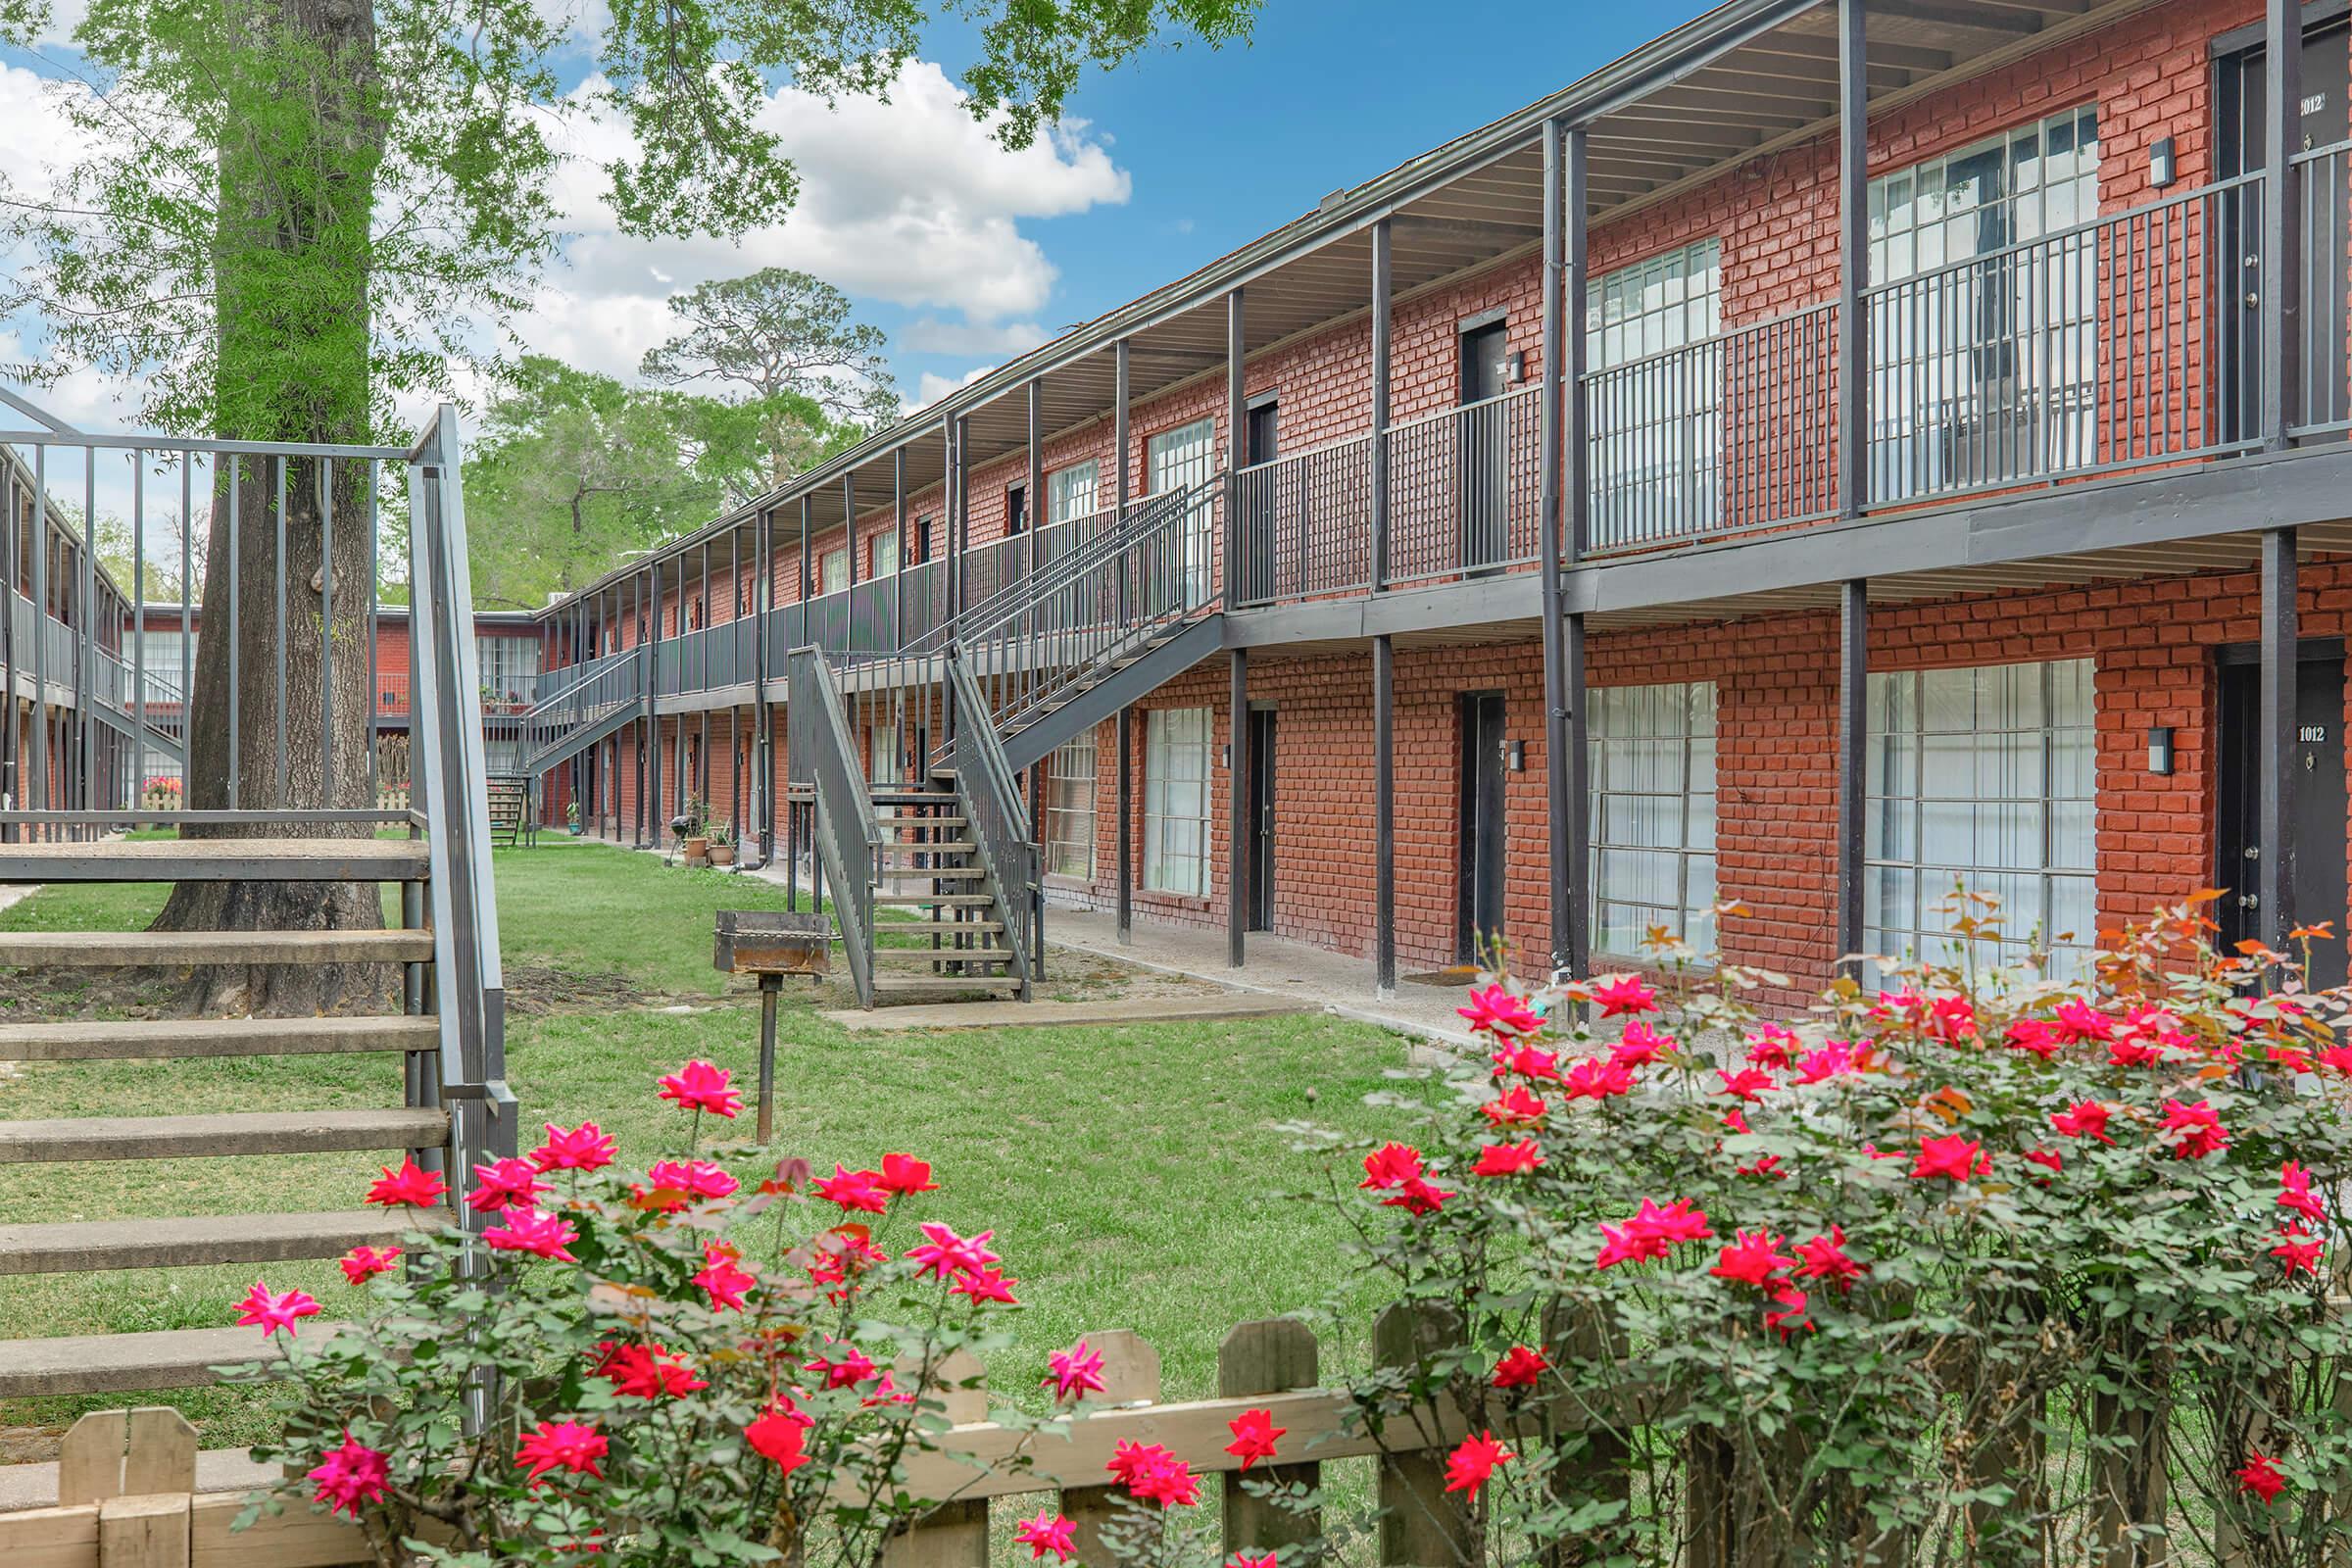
(771, 944)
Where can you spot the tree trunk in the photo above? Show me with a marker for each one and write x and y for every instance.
(292, 323)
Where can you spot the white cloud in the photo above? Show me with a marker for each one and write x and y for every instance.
(908, 199)
(934, 386)
(930, 336)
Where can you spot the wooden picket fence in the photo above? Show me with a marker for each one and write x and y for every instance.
(128, 1497)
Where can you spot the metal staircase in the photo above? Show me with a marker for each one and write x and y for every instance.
(990, 692)
(439, 1058)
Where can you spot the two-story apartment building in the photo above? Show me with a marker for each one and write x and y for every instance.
(1840, 450)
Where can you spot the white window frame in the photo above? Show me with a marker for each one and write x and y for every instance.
(1652, 813)
(1072, 493)
(2027, 737)
(1184, 455)
(833, 571)
(1657, 431)
(885, 553)
(1943, 415)
(1179, 757)
(1071, 782)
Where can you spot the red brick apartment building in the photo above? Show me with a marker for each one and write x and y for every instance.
(1838, 449)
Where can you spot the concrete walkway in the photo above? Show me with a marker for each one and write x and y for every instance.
(1276, 967)
(1048, 1014)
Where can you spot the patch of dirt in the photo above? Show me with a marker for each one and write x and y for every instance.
(535, 989)
(1072, 976)
(34, 1444)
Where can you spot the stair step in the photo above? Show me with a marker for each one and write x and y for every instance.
(930, 874)
(932, 847)
(926, 900)
(219, 861)
(264, 1132)
(72, 1247)
(888, 824)
(172, 949)
(921, 957)
(125, 1040)
(942, 927)
(128, 1363)
(893, 987)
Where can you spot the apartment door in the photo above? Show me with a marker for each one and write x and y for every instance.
(1258, 501)
(1480, 885)
(1261, 820)
(2240, 97)
(2318, 841)
(1484, 445)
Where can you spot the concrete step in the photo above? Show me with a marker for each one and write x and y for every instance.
(262, 1132)
(78, 1246)
(179, 949)
(217, 860)
(126, 1363)
(893, 988)
(150, 1040)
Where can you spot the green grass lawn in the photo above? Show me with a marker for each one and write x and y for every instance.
(1130, 1173)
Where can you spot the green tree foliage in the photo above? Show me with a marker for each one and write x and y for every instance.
(780, 334)
(572, 471)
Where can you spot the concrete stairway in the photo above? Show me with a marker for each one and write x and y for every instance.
(125, 1362)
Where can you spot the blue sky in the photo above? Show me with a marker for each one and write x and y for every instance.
(1223, 145)
(967, 254)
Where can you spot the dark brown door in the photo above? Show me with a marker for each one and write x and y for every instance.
(1259, 501)
(1485, 446)
(2240, 94)
(1480, 913)
(2316, 847)
(1261, 820)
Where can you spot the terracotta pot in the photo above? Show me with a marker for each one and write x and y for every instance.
(697, 850)
(722, 855)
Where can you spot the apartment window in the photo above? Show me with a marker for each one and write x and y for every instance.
(1182, 456)
(833, 569)
(1070, 492)
(510, 668)
(1982, 330)
(1656, 394)
(887, 765)
(1984, 776)
(166, 676)
(1070, 810)
(1176, 763)
(1653, 812)
(886, 553)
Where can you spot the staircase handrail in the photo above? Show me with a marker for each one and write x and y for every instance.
(991, 802)
(820, 754)
(1152, 580)
(451, 773)
(553, 718)
(1151, 516)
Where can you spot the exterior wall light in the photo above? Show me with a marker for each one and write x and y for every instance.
(2161, 169)
(2160, 751)
(1518, 756)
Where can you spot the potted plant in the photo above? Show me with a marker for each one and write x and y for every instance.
(722, 843)
(696, 844)
(571, 817)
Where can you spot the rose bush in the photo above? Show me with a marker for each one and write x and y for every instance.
(654, 1366)
(1969, 1266)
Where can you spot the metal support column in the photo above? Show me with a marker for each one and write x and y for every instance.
(1237, 807)
(1126, 828)
(898, 565)
(2281, 282)
(1576, 536)
(1384, 816)
(2276, 746)
(1853, 681)
(848, 523)
(1381, 267)
(1237, 415)
(1036, 469)
(1119, 396)
(1551, 535)
(1853, 257)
